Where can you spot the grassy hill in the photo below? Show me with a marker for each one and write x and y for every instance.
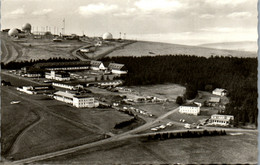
(27, 49)
(145, 48)
(250, 46)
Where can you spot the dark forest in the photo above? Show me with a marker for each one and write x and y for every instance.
(237, 75)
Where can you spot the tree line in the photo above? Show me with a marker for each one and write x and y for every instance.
(188, 134)
(237, 75)
(21, 64)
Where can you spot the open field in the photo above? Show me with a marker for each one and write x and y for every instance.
(102, 120)
(157, 109)
(9, 51)
(143, 48)
(49, 135)
(205, 150)
(205, 114)
(240, 46)
(35, 49)
(164, 91)
(33, 131)
(16, 81)
(14, 119)
(105, 49)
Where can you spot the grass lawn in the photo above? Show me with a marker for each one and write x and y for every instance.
(163, 91)
(188, 118)
(14, 119)
(157, 109)
(146, 48)
(51, 134)
(205, 150)
(16, 81)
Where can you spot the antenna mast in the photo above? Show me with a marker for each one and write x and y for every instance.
(63, 29)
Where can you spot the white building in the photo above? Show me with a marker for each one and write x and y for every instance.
(59, 76)
(117, 68)
(32, 75)
(219, 92)
(83, 101)
(61, 85)
(97, 65)
(110, 83)
(26, 89)
(64, 97)
(79, 101)
(192, 109)
(222, 120)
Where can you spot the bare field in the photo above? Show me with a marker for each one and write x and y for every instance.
(143, 48)
(205, 150)
(163, 91)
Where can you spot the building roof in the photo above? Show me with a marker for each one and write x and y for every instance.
(214, 99)
(220, 119)
(83, 96)
(217, 116)
(61, 64)
(189, 105)
(95, 63)
(62, 73)
(219, 90)
(115, 66)
(65, 94)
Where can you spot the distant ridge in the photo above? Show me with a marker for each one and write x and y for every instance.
(147, 48)
(250, 46)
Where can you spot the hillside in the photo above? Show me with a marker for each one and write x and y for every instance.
(145, 48)
(250, 46)
(27, 49)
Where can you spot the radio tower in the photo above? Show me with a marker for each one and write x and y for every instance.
(63, 28)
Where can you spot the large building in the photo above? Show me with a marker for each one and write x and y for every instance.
(62, 66)
(213, 101)
(97, 65)
(222, 120)
(219, 92)
(79, 101)
(59, 76)
(191, 109)
(117, 68)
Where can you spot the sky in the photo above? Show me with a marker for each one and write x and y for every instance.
(189, 22)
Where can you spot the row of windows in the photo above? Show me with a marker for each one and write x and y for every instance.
(69, 68)
(217, 121)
